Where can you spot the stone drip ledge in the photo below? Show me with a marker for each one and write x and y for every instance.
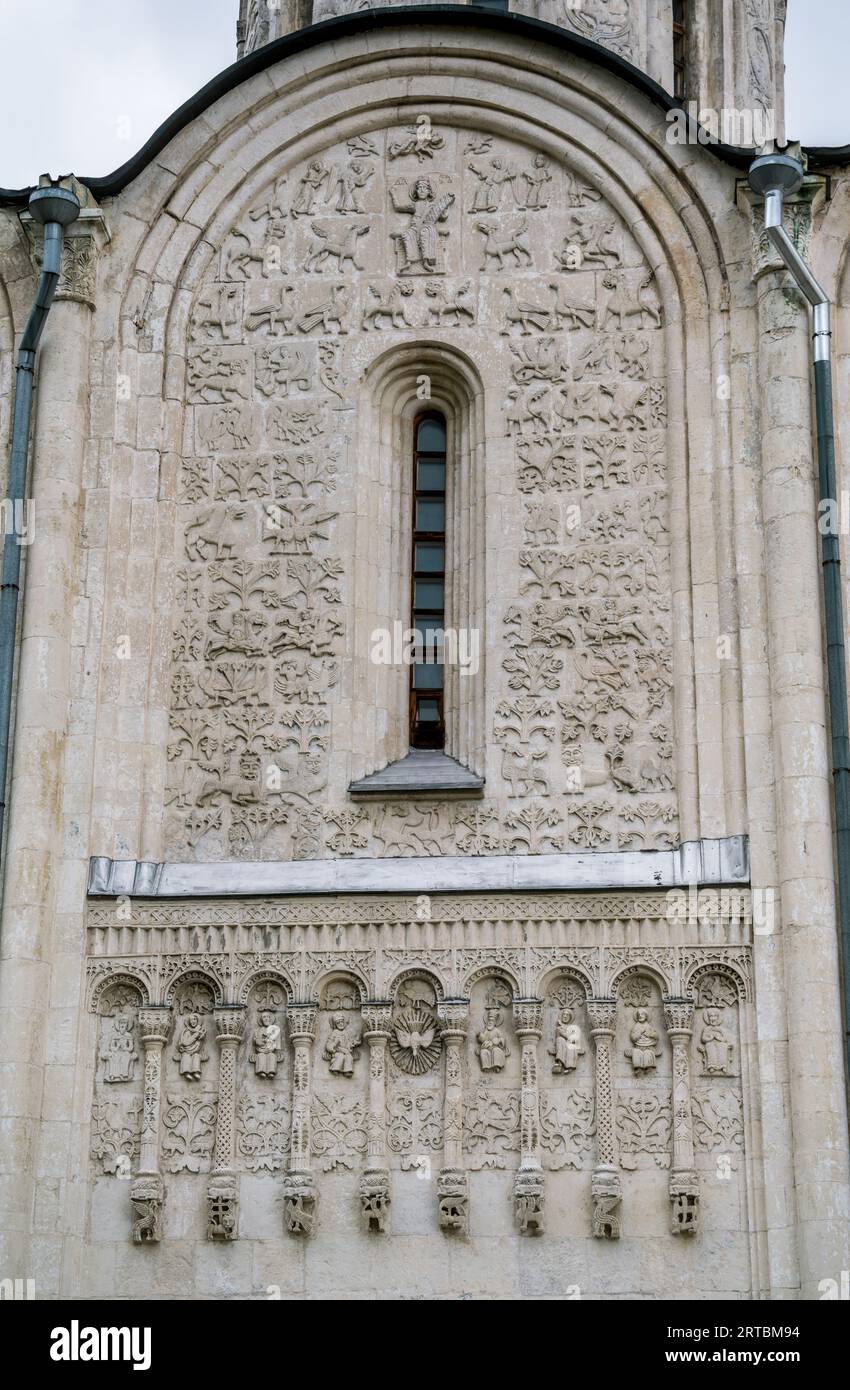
(703, 863)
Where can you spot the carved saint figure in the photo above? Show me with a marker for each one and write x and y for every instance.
(311, 182)
(715, 1045)
(189, 1049)
(118, 1052)
(266, 1044)
(493, 1050)
(644, 1040)
(341, 1046)
(568, 1044)
(418, 243)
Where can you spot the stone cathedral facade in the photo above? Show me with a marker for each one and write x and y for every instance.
(510, 972)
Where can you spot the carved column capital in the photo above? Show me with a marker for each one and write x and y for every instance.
(230, 1023)
(679, 1017)
(377, 1018)
(797, 218)
(528, 1018)
(602, 1014)
(454, 1017)
(301, 1022)
(82, 244)
(154, 1025)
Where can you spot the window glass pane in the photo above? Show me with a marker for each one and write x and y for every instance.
(427, 711)
(431, 437)
(431, 475)
(429, 627)
(429, 558)
(428, 593)
(427, 676)
(430, 515)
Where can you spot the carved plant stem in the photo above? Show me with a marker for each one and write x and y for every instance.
(684, 1183)
(605, 1184)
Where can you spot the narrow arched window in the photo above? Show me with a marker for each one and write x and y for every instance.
(428, 582)
(680, 48)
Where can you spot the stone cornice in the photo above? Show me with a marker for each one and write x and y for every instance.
(703, 863)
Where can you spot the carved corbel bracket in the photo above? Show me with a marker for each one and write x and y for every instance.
(529, 1196)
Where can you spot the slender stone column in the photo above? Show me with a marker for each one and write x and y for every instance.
(299, 1192)
(223, 1191)
(453, 1182)
(805, 926)
(375, 1180)
(684, 1183)
(42, 941)
(605, 1184)
(528, 1184)
(147, 1193)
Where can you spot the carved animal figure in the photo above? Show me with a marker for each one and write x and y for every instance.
(499, 244)
(215, 380)
(625, 296)
(640, 768)
(569, 308)
(272, 316)
(243, 787)
(332, 243)
(216, 533)
(526, 314)
(227, 428)
(520, 772)
(388, 306)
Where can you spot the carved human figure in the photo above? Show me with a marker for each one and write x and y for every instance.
(715, 1045)
(418, 243)
(310, 184)
(266, 1044)
(493, 1050)
(341, 1047)
(118, 1052)
(537, 178)
(568, 1044)
(644, 1040)
(189, 1049)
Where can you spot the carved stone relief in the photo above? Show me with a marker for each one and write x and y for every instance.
(393, 234)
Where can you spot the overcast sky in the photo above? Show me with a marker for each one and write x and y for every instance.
(109, 71)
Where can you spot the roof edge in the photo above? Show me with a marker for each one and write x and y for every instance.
(458, 16)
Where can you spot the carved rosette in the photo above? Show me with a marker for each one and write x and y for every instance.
(375, 1180)
(299, 1193)
(147, 1193)
(684, 1183)
(605, 1183)
(223, 1190)
(453, 1184)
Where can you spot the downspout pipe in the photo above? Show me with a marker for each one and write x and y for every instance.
(774, 177)
(55, 208)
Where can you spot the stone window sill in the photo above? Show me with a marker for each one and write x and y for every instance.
(421, 773)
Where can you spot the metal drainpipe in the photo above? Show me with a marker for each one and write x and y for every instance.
(55, 208)
(773, 176)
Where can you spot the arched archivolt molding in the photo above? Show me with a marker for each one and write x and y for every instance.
(266, 975)
(346, 975)
(415, 972)
(646, 969)
(563, 972)
(127, 978)
(192, 975)
(728, 972)
(492, 972)
(645, 181)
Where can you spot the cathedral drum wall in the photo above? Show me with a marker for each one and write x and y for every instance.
(529, 1036)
